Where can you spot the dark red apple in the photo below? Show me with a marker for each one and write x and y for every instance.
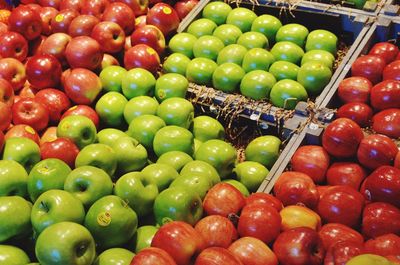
(346, 173)
(322, 189)
(341, 252)
(333, 232)
(35, 45)
(61, 22)
(84, 110)
(299, 246)
(139, 7)
(82, 25)
(385, 245)
(380, 218)
(110, 35)
(5, 116)
(121, 14)
(370, 67)
(84, 52)
(55, 101)
(386, 95)
(142, 56)
(216, 256)
(30, 112)
(47, 14)
(386, 50)
(71, 4)
(43, 71)
(14, 45)
(25, 21)
(151, 36)
(217, 231)
(397, 161)
(394, 259)
(50, 3)
(264, 198)
(22, 130)
(387, 122)
(392, 71)
(6, 92)
(360, 113)
(184, 7)
(151, 256)
(55, 45)
(252, 251)
(354, 89)
(34, 6)
(164, 17)
(94, 7)
(61, 148)
(13, 71)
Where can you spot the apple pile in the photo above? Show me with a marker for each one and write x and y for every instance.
(234, 49)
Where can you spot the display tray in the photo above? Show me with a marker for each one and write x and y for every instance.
(391, 8)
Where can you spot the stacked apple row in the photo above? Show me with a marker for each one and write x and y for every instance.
(228, 49)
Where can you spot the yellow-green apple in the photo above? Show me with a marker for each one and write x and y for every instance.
(22, 150)
(121, 14)
(182, 43)
(139, 106)
(267, 25)
(314, 76)
(233, 53)
(31, 112)
(257, 59)
(79, 129)
(88, 184)
(217, 231)
(200, 71)
(287, 51)
(299, 216)
(176, 111)
(201, 168)
(201, 27)
(164, 17)
(217, 12)
(263, 149)
(238, 185)
(46, 175)
(206, 128)
(65, 243)
(142, 56)
(252, 251)
(13, 71)
(11, 255)
(176, 159)
(228, 34)
(13, 45)
(143, 237)
(110, 35)
(153, 255)
(144, 128)
(287, 93)
(223, 199)
(171, 85)
(322, 40)
(368, 259)
(82, 25)
(150, 35)
(292, 32)
(13, 179)
(84, 52)
(110, 108)
(114, 256)
(176, 63)
(108, 136)
(257, 84)
(111, 78)
(253, 39)
(241, 17)
(227, 77)
(130, 155)
(320, 56)
(207, 47)
(138, 82)
(25, 21)
(159, 174)
(250, 174)
(98, 155)
(196, 184)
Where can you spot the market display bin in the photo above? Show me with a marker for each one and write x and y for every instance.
(391, 8)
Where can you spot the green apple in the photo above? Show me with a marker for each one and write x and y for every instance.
(130, 155)
(257, 84)
(197, 144)
(138, 82)
(173, 138)
(267, 25)
(228, 34)
(287, 51)
(200, 71)
(193, 183)
(201, 168)
(322, 40)
(10, 255)
(143, 237)
(65, 243)
(227, 77)
(264, 150)
(239, 186)
(22, 150)
(111, 222)
(88, 184)
(46, 175)
(171, 85)
(108, 136)
(233, 53)
(251, 174)
(284, 70)
(176, 63)
(13, 179)
(320, 56)
(182, 43)
(176, 111)
(217, 11)
(218, 153)
(138, 106)
(110, 108)
(314, 76)
(257, 59)
(111, 78)
(207, 47)
(201, 27)
(114, 256)
(137, 192)
(287, 93)
(178, 204)
(144, 128)
(242, 18)
(80, 129)
(15, 217)
(206, 128)
(159, 174)
(176, 159)
(98, 155)
(368, 259)
(55, 206)
(253, 39)
(293, 32)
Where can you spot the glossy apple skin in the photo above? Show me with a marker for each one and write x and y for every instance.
(82, 25)
(217, 231)
(94, 7)
(360, 113)
(184, 7)
(49, 135)
(63, 20)
(397, 161)
(55, 101)
(25, 21)
(376, 150)
(294, 187)
(370, 67)
(47, 14)
(392, 71)
(3, 28)
(252, 251)
(216, 256)
(22, 130)
(354, 89)
(342, 251)
(151, 256)
(386, 50)
(5, 116)
(264, 198)
(333, 232)
(384, 245)
(342, 137)
(84, 52)
(55, 45)
(13, 71)
(14, 45)
(346, 173)
(180, 240)
(84, 110)
(387, 122)
(164, 17)
(110, 35)
(142, 56)
(6, 92)
(299, 216)
(312, 160)
(61, 148)
(121, 14)
(43, 71)
(380, 218)
(382, 185)
(71, 4)
(341, 204)
(299, 246)
(30, 112)
(149, 35)
(386, 95)
(223, 199)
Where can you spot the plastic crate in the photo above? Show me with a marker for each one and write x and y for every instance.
(391, 8)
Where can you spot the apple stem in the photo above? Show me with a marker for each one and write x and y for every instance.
(44, 206)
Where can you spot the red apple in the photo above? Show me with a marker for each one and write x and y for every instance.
(151, 256)
(1, 140)
(392, 71)
(342, 251)
(164, 17)
(5, 116)
(354, 89)
(35, 45)
(312, 160)
(107, 61)
(84, 110)
(360, 113)
(333, 232)
(180, 240)
(82, 86)
(252, 251)
(110, 35)
(25, 21)
(84, 52)
(387, 122)
(386, 50)
(13, 71)
(55, 45)
(3, 28)
(22, 130)
(121, 14)
(299, 246)
(43, 71)
(184, 7)
(61, 148)
(50, 3)
(149, 35)
(63, 20)
(82, 25)
(223, 199)
(142, 56)
(217, 256)
(30, 112)
(380, 218)
(393, 259)
(264, 198)
(386, 95)
(71, 4)
(260, 221)
(322, 189)
(341, 204)
(49, 135)
(217, 231)
(370, 67)
(384, 245)
(55, 101)
(6, 92)
(397, 161)
(47, 14)
(14, 45)
(94, 7)
(346, 173)
(27, 91)
(34, 6)
(342, 137)
(139, 7)
(127, 44)
(140, 21)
